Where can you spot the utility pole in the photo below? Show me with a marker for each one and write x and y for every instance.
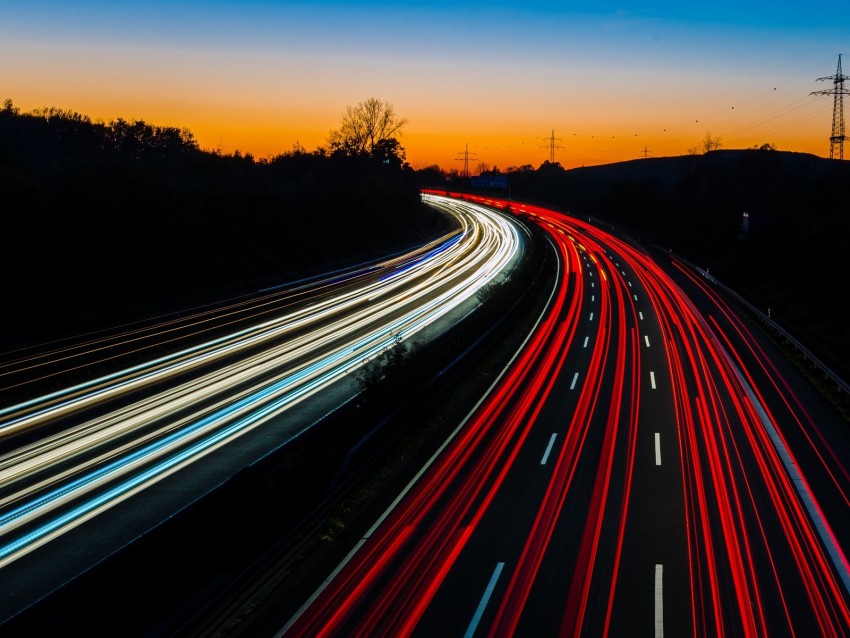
(465, 155)
(646, 152)
(836, 140)
(552, 146)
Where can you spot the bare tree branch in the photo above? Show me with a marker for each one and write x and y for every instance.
(365, 126)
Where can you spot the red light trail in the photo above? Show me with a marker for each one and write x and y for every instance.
(753, 550)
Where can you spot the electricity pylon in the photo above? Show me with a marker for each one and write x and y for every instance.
(465, 159)
(552, 146)
(836, 140)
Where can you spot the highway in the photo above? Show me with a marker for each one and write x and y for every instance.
(71, 455)
(645, 465)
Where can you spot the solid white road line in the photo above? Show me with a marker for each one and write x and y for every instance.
(548, 448)
(659, 601)
(473, 624)
(658, 448)
(652, 379)
(800, 485)
(573, 384)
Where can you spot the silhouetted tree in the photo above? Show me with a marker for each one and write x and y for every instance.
(431, 175)
(551, 166)
(708, 143)
(711, 143)
(390, 151)
(366, 128)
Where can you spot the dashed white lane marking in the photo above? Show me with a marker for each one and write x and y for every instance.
(473, 624)
(548, 448)
(586, 339)
(640, 314)
(658, 448)
(652, 379)
(646, 339)
(635, 297)
(591, 316)
(573, 384)
(659, 601)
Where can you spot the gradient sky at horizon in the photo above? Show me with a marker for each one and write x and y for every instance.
(611, 79)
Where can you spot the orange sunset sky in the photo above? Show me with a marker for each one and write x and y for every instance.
(611, 81)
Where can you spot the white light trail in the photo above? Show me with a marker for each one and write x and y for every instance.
(184, 405)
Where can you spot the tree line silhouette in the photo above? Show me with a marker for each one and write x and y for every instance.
(106, 222)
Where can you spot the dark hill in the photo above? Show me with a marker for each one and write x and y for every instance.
(670, 169)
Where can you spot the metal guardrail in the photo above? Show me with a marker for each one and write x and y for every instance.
(843, 386)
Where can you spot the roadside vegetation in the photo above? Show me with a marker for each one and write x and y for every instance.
(107, 222)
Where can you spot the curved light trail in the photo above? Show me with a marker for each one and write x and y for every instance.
(606, 535)
(88, 447)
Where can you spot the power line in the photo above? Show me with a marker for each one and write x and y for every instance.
(836, 140)
(775, 107)
(706, 118)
